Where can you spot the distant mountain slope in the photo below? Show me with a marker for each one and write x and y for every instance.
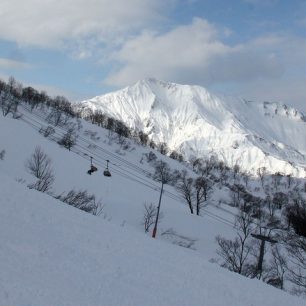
(195, 122)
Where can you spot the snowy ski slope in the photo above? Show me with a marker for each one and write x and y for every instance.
(53, 254)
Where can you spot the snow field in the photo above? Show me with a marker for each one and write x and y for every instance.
(53, 254)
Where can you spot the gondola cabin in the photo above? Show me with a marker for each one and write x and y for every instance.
(106, 171)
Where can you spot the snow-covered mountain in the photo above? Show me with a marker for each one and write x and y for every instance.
(195, 122)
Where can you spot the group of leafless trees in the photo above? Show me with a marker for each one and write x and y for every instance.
(195, 191)
(40, 166)
(59, 111)
(274, 226)
(123, 132)
(235, 252)
(194, 187)
(270, 240)
(83, 201)
(10, 94)
(114, 126)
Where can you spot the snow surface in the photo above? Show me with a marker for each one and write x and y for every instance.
(53, 254)
(195, 122)
(123, 198)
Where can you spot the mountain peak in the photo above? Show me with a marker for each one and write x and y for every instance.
(156, 85)
(195, 122)
(154, 81)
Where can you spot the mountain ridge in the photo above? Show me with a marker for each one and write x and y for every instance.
(197, 123)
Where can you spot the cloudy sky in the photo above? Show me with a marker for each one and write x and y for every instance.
(81, 48)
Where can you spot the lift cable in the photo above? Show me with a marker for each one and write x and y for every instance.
(117, 171)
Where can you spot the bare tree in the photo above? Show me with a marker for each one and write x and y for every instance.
(206, 166)
(296, 215)
(162, 172)
(223, 169)
(2, 154)
(163, 148)
(10, 97)
(47, 131)
(69, 139)
(196, 163)
(40, 165)
(268, 202)
(203, 186)
(194, 192)
(149, 216)
(151, 157)
(296, 247)
(280, 199)
(122, 131)
(235, 252)
(275, 275)
(58, 116)
(246, 178)
(237, 193)
(177, 156)
(276, 180)
(185, 189)
(289, 180)
(152, 144)
(236, 171)
(261, 172)
(83, 201)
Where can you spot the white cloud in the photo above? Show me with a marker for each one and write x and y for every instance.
(288, 90)
(52, 23)
(196, 53)
(191, 53)
(267, 67)
(12, 64)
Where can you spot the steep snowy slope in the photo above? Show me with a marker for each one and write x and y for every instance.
(124, 194)
(196, 123)
(53, 254)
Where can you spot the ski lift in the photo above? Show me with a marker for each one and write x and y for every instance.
(106, 171)
(92, 167)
